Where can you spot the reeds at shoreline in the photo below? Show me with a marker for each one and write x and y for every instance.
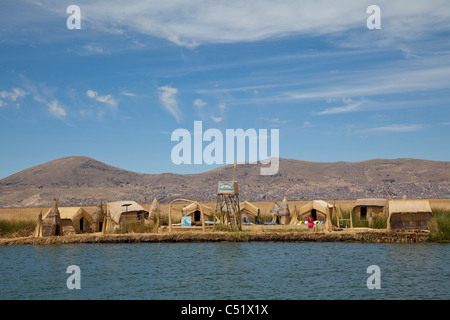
(17, 225)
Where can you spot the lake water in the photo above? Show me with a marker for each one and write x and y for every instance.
(211, 271)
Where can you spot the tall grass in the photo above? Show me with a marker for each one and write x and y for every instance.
(16, 228)
(135, 227)
(377, 222)
(440, 226)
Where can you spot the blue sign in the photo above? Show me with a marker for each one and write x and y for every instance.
(186, 221)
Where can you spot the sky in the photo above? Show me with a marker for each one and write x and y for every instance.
(116, 88)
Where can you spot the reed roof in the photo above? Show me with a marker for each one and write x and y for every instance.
(196, 206)
(370, 203)
(53, 211)
(116, 209)
(318, 205)
(409, 206)
(249, 207)
(74, 213)
(155, 208)
(98, 214)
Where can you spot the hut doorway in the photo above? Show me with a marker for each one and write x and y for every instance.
(100, 226)
(197, 216)
(363, 214)
(81, 224)
(314, 214)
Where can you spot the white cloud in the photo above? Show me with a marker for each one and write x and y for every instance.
(167, 95)
(2, 104)
(199, 103)
(216, 119)
(278, 121)
(347, 100)
(90, 49)
(108, 99)
(344, 109)
(14, 94)
(190, 23)
(55, 109)
(222, 108)
(394, 128)
(130, 94)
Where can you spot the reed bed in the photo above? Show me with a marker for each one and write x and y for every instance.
(21, 222)
(242, 236)
(440, 226)
(16, 228)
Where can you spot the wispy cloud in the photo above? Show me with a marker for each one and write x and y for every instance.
(108, 99)
(90, 49)
(167, 96)
(216, 119)
(13, 95)
(390, 83)
(350, 107)
(56, 109)
(222, 108)
(199, 103)
(190, 24)
(394, 128)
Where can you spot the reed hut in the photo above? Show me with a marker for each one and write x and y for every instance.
(126, 211)
(50, 224)
(367, 209)
(281, 213)
(108, 224)
(193, 210)
(38, 231)
(276, 213)
(154, 216)
(155, 210)
(249, 212)
(409, 214)
(317, 209)
(285, 213)
(75, 220)
(98, 218)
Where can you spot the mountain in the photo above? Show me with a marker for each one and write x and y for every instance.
(85, 181)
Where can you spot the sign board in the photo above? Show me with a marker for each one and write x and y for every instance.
(186, 221)
(228, 187)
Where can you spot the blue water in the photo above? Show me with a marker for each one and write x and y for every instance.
(293, 271)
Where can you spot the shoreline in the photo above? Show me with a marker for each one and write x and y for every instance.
(192, 236)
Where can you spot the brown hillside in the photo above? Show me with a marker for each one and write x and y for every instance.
(84, 181)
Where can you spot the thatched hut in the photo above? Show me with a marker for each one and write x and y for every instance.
(281, 213)
(367, 209)
(108, 224)
(154, 216)
(317, 209)
(38, 231)
(409, 214)
(50, 224)
(276, 213)
(249, 212)
(193, 210)
(75, 220)
(126, 211)
(155, 210)
(98, 218)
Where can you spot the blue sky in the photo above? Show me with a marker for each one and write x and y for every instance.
(117, 88)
